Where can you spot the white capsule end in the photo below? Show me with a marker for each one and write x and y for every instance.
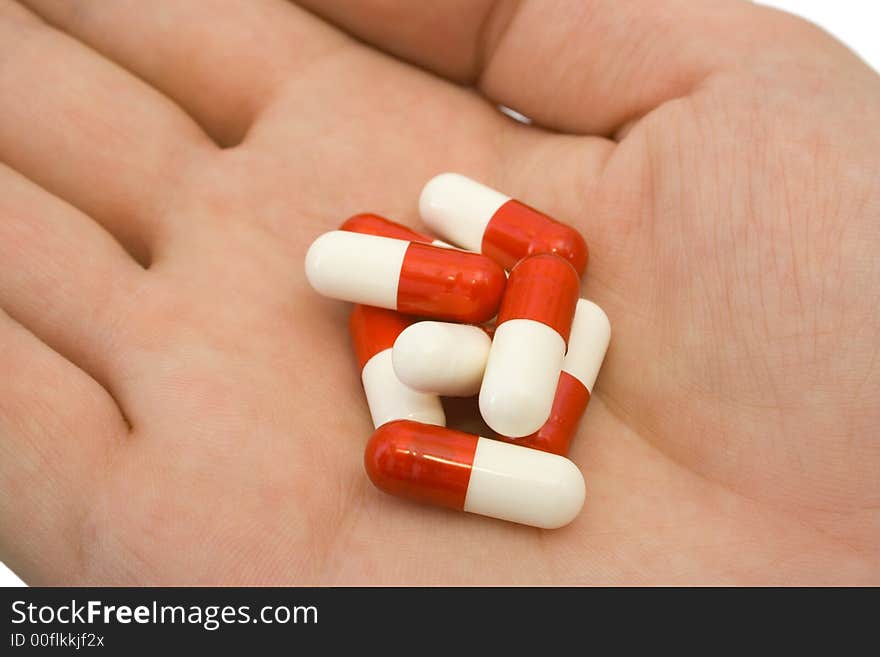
(521, 377)
(588, 342)
(356, 267)
(389, 399)
(459, 209)
(442, 358)
(524, 485)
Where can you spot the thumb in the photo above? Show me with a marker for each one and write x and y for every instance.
(584, 67)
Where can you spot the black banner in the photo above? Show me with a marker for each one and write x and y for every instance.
(124, 621)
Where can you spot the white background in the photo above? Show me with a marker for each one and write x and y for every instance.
(855, 22)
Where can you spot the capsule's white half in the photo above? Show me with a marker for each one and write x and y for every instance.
(443, 245)
(459, 209)
(524, 485)
(521, 377)
(443, 358)
(356, 267)
(587, 344)
(389, 399)
(447, 245)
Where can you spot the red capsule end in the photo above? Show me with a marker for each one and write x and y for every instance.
(569, 405)
(544, 288)
(517, 230)
(373, 224)
(374, 330)
(421, 462)
(449, 284)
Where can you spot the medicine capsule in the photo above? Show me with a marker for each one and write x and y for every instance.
(373, 224)
(590, 335)
(525, 360)
(373, 332)
(476, 217)
(410, 277)
(443, 358)
(462, 471)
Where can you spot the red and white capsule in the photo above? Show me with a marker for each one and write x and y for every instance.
(462, 471)
(440, 357)
(525, 359)
(476, 217)
(590, 335)
(410, 277)
(373, 224)
(373, 332)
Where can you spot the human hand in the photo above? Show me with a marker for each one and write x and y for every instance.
(178, 407)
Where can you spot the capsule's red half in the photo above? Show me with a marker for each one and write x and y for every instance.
(517, 230)
(410, 277)
(543, 288)
(373, 224)
(464, 286)
(421, 462)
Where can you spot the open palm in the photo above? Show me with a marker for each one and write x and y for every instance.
(177, 406)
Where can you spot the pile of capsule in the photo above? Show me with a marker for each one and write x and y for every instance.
(436, 319)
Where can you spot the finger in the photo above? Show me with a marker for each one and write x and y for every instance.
(581, 67)
(221, 61)
(285, 87)
(444, 37)
(58, 431)
(89, 132)
(64, 278)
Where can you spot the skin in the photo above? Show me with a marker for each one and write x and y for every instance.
(178, 407)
